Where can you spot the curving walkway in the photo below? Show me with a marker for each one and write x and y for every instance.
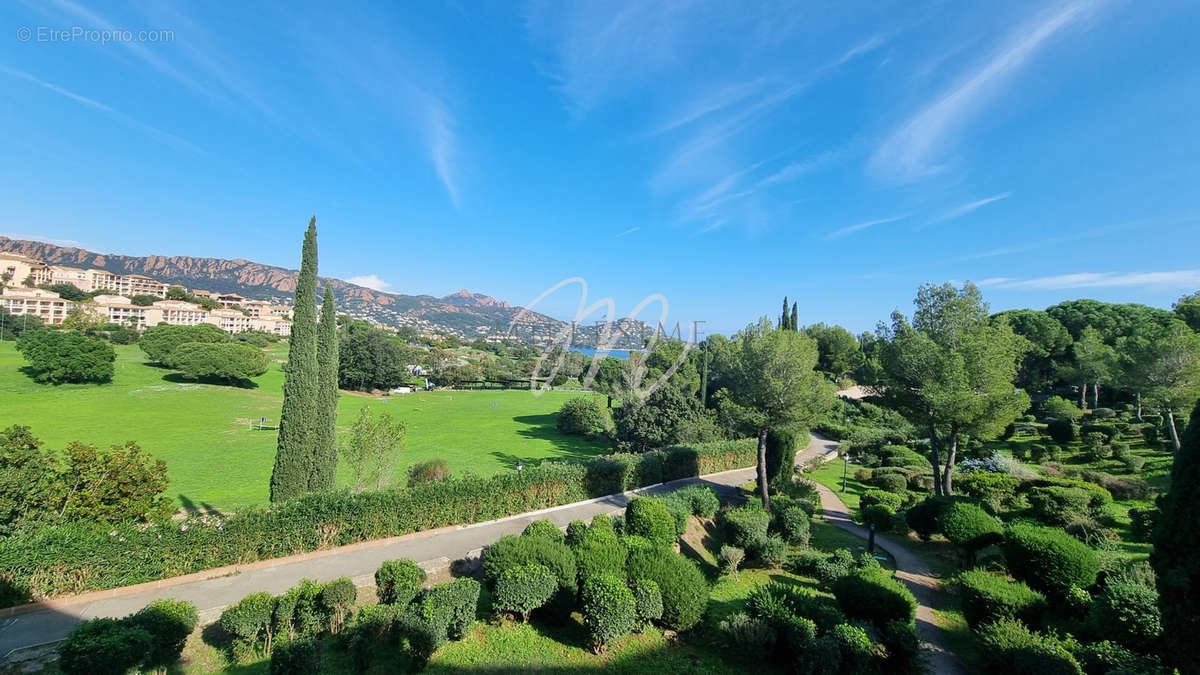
(915, 574)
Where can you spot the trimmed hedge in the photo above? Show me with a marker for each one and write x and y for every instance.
(649, 517)
(544, 528)
(77, 557)
(969, 527)
(872, 594)
(398, 581)
(683, 586)
(514, 551)
(988, 597)
(598, 555)
(746, 524)
(609, 610)
(1010, 648)
(1049, 559)
(523, 588)
(792, 524)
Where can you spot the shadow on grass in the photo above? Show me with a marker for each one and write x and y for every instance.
(177, 378)
(544, 427)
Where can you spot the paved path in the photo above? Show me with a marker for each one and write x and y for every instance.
(915, 574)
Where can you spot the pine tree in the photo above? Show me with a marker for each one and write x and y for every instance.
(1176, 555)
(298, 419)
(324, 473)
(795, 318)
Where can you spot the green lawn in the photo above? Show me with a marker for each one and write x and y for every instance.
(214, 458)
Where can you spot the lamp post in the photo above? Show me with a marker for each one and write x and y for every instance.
(519, 467)
(843, 472)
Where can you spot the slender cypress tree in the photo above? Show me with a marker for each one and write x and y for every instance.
(783, 318)
(1176, 555)
(324, 473)
(795, 318)
(297, 421)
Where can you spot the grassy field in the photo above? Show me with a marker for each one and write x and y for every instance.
(214, 459)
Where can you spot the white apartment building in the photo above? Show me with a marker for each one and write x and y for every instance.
(46, 305)
(177, 313)
(78, 278)
(125, 284)
(121, 310)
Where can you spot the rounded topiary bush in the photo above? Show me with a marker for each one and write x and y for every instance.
(609, 610)
(595, 555)
(855, 647)
(649, 602)
(873, 595)
(745, 634)
(683, 587)
(703, 501)
(895, 483)
(888, 499)
(398, 581)
(745, 524)
(988, 597)
(524, 588)
(169, 623)
(770, 551)
(1049, 559)
(103, 647)
(510, 551)
(648, 517)
(576, 529)
(792, 524)
(969, 527)
(1010, 648)
(544, 528)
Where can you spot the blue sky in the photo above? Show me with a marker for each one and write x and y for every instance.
(719, 154)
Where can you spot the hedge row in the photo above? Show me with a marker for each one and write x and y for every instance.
(77, 557)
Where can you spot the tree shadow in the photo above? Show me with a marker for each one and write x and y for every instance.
(544, 428)
(177, 378)
(203, 508)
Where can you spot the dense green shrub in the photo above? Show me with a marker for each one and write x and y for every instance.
(544, 528)
(1142, 523)
(1103, 413)
(398, 581)
(770, 550)
(583, 416)
(1049, 559)
(232, 362)
(777, 602)
(1057, 407)
(597, 555)
(1062, 431)
(702, 501)
(77, 557)
(609, 610)
(922, 517)
(991, 487)
(792, 524)
(746, 524)
(58, 357)
(891, 482)
(249, 622)
(1008, 647)
(744, 634)
(649, 602)
(1126, 610)
(1106, 431)
(969, 527)
(1056, 505)
(576, 529)
(648, 517)
(299, 657)
(428, 471)
(451, 607)
(889, 499)
(1134, 463)
(511, 551)
(782, 445)
(523, 588)
(169, 623)
(683, 587)
(987, 597)
(372, 627)
(855, 647)
(159, 341)
(337, 597)
(103, 647)
(1109, 657)
(872, 594)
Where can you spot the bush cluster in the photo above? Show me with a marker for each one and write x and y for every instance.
(746, 524)
(1010, 648)
(1049, 559)
(583, 416)
(609, 610)
(682, 585)
(649, 517)
(520, 589)
(151, 639)
(77, 557)
(873, 594)
(988, 597)
(398, 581)
(969, 527)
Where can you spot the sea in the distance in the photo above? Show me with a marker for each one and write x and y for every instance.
(616, 353)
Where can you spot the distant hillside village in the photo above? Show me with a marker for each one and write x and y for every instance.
(34, 288)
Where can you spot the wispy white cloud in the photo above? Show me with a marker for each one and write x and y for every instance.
(964, 209)
(917, 146)
(1174, 279)
(443, 146)
(849, 229)
(629, 231)
(169, 138)
(371, 281)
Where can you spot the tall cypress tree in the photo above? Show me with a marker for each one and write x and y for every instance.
(1176, 555)
(795, 318)
(783, 317)
(297, 421)
(324, 473)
